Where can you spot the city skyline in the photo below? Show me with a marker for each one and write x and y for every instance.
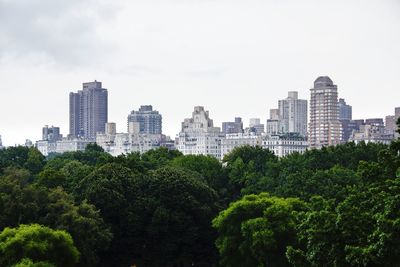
(250, 53)
(147, 108)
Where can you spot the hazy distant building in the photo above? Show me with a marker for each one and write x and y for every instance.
(1, 143)
(391, 122)
(372, 131)
(349, 126)
(324, 126)
(51, 134)
(231, 127)
(72, 145)
(293, 114)
(256, 126)
(88, 110)
(273, 126)
(148, 120)
(345, 111)
(198, 135)
(28, 143)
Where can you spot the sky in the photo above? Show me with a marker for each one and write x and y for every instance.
(234, 57)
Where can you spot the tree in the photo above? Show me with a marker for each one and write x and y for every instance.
(172, 212)
(320, 241)
(112, 189)
(22, 203)
(210, 171)
(256, 230)
(29, 263)
(37, 243)
(398, 125)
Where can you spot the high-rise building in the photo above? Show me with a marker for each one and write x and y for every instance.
(256, 126)
(274, 123)
(372, 131)
(345, 111)
(198, 135)
(147, 120)
(293, 114)
(51, 134)
(391, 122)
(324, 126)
(88, 111)
(1, 143)
(231, 127)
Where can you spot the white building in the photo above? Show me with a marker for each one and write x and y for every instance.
(281, 145)
(198, 135)
(231, 141)
(71, 145)
(133, 141)
(46, 147)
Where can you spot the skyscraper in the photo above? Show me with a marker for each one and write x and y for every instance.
(51, 134)
(149, 121)
(230, 127)
(345, 111)
(1, 143)
(293, 114)
(324, 127)
(198, 135)
(88, 110)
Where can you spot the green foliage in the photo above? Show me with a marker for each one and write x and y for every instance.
(156, 209)
(256, 230)
(29, 263)
(37, 243)
(21, 157)
(22, 203)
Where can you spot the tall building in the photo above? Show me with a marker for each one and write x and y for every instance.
(148, 121)
(345, 111)
(230, 127)
(372, 131)
(51, 134)
(391, 122)
(256, 126)
(293, 114)
(198, 135)
(1, 143)
(274, 123)
(324, 126)
(88, 111)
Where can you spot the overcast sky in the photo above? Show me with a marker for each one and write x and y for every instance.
(235, 57)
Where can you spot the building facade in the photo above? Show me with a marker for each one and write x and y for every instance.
(149, 121)
(324, 125)
(345, 111)
(51, 134)
(372, 132)
(282, 145)
(293, 114)
(231, 127)
(88, 111)
(198, 135)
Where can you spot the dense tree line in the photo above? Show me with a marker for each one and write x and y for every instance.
(338, 206)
